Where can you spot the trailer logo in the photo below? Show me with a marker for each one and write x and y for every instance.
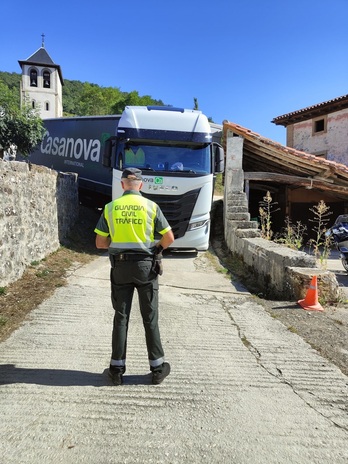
(156, 180)
(157, 183)
(71, 148)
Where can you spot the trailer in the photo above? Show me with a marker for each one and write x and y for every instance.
(77, 145)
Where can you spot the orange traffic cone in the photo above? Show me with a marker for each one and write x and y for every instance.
(310, 303)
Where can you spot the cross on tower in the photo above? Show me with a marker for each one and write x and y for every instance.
(43, 40)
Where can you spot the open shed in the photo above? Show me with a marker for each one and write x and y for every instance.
(296, 180)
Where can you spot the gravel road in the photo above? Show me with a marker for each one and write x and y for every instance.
(243, 388)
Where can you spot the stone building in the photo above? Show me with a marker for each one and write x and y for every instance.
(42, 83)
(320, 130)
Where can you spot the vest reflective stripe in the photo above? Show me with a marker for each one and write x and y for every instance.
(131, 221)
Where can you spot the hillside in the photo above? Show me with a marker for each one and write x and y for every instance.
(86, 99)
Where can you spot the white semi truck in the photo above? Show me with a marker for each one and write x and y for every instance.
(176, 152)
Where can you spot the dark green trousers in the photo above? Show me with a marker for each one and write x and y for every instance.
(125, 277)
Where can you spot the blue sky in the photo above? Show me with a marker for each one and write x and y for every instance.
(246, 61)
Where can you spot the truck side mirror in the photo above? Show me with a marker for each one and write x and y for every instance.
(107, 153)
(219, 158)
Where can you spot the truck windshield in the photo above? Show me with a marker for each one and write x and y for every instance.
(171, 158)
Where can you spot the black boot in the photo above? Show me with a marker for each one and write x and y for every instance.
(116, 374)
(160, 373)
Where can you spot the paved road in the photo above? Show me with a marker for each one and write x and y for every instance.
(243, 389)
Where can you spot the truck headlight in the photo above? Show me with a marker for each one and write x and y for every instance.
(198, 225)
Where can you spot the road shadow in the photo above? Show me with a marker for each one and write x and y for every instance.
(287, 306)
(10, 374)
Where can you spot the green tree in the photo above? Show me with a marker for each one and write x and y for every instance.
(20, 127)
(133, 99)
(92, 100)
(72, 91)
(86, 99)
(8, 97)
(12, 81)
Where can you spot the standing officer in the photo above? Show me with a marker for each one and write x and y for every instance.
(127, 228)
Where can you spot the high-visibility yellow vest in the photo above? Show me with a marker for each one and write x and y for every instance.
(131, 220)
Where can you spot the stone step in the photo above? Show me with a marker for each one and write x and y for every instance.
(242, 224)
(233, 216)
(232, 203)
(238, 209)
(248, 233)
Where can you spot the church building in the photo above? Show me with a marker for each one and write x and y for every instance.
(41, 84)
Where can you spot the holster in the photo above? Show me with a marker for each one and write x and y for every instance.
(112, 260)
(157, 266)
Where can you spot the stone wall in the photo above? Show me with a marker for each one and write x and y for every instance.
(277, 271)
(38, 207)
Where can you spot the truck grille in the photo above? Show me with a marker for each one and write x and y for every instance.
(177, 209)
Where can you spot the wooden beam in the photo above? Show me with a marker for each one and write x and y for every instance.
(295, 180)
(276, 177)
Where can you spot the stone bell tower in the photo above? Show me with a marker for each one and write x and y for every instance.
(41, 84)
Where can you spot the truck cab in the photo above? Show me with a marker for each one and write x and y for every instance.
(175, 151)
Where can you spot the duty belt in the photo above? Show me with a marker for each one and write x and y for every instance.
(131, 257)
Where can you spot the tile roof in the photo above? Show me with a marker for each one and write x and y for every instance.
(313, 111)
(264, 159)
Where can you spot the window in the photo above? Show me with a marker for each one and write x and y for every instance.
(47, 106)
(319, 125)
(170, 157)
(33, 78)
(46, 79)
(33, 104)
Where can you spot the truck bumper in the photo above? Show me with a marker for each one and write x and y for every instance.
(197, 239)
